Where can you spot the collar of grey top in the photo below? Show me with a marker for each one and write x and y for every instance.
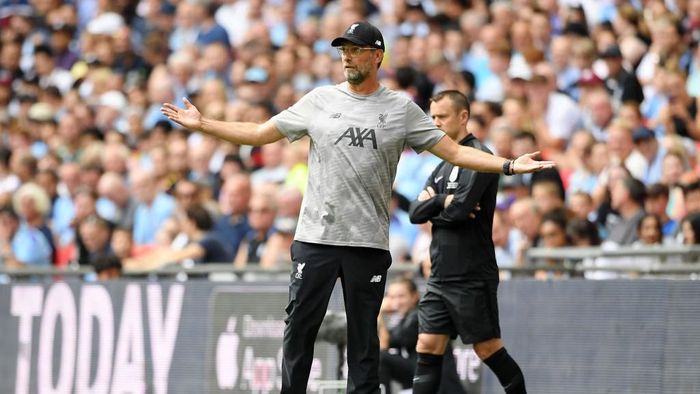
(345, 87)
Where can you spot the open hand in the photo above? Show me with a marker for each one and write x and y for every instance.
(526, 163)
(189, 117)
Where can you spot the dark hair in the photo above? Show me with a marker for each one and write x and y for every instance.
(200, 216)
(557, 217)
(8, 210)
(458, 99)
(636, 189)
(5, 155)
(659, 225)
(100, 221)
(43, 49)
(583, 229)
(691, 187)
(657, 190)
(103, 262)
(405, 280)
(525, 135)
(694, 220)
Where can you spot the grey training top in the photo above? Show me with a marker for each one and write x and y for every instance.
(356, 142)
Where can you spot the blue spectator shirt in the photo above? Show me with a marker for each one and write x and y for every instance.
(149, 219)
(30, 246)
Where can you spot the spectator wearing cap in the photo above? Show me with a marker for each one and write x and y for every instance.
(519, 74)
(110, 110)
(21, 244)
(622, 85)
(646, 143)
(588, 83)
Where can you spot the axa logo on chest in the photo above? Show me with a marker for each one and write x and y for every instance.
(93, 357)
(358, 136)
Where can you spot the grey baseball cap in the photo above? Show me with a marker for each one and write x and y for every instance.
(361, 33)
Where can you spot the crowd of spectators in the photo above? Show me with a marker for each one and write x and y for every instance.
(90, 169)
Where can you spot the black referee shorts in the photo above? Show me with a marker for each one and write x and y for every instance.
(468, 309)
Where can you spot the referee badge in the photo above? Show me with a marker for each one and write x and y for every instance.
(452, 180)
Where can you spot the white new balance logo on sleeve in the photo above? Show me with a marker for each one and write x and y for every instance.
(376, 279)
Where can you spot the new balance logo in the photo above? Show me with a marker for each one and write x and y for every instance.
(358, 136)
(300, 267)
(376, 279)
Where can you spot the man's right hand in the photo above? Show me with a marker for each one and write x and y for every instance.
(189, 117)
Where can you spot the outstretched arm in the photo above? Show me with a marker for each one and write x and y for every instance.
(475, 159)
(240, 133)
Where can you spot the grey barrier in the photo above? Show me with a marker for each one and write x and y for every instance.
(569, 336)
(157, 337)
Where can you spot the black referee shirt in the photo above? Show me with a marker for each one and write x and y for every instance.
(462, 247)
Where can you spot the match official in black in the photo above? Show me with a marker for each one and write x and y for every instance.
(460, 298)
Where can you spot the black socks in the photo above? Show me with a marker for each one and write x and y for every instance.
(507, 371)
(428, 373)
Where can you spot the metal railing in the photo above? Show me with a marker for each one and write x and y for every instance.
(667, 259)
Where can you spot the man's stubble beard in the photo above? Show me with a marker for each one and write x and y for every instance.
(355, 76)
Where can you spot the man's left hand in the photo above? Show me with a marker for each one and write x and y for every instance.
(526, 163)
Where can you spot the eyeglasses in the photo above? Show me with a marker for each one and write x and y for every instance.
(354, 51)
